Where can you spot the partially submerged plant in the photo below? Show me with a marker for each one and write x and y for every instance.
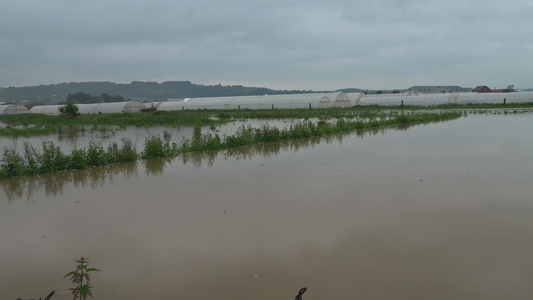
(81, 279)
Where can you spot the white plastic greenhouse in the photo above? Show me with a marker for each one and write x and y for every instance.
(495, 98)
(290, 101)
(118, 107)
(13, 109)
(442, 99)
(93, 108)
(45, 109)
(295, 101)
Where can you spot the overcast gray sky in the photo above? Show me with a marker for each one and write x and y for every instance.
(289, 44)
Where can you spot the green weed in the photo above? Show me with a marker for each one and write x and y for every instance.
(81, 278)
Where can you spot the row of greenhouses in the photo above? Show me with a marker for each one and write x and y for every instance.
(93, 108)
(443, 99)
(289, 101)
(340, 99)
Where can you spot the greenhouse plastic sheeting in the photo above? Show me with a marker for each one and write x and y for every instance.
(495, 98)
(13, 109)
(93, 108)
(287, 101)
(297, 101)
(46, 109)
(444, 99)
(87, 108)
(118, 107)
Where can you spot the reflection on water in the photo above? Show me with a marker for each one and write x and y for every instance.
(52, 184)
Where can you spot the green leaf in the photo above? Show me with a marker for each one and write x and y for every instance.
(84, 289)
(92, 269)
(69, 274)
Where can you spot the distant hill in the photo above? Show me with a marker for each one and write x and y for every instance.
(136, 90)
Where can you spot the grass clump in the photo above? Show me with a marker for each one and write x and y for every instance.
(155, 147)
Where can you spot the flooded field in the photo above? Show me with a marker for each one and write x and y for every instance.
(439, 211)
(69, 140)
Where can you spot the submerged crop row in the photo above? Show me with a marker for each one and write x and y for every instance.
(50, 158)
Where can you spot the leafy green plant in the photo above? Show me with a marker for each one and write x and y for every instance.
(81, 279)
(155, 147)
(70, 110)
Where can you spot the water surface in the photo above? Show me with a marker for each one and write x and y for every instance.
(440, 211)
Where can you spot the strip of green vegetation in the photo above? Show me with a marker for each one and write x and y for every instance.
(51, 159)
(34, 124)
(246, 135)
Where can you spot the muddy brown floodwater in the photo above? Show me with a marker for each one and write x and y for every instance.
(440, 211)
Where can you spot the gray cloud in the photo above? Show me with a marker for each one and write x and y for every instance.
(298, 45)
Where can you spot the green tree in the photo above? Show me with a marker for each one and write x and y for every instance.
(107, 98)
(80, 98)
(70, 110)
(119, 98)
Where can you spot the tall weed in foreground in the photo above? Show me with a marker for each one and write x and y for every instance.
(81, 278)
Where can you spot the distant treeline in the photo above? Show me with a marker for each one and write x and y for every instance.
(86, 98)
(136, 90)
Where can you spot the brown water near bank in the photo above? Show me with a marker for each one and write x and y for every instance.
(440, 211)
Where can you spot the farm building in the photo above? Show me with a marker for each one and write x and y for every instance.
(482, 89)
(13, 109)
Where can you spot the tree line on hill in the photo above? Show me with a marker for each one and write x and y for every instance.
(136, 90)
(84, 98)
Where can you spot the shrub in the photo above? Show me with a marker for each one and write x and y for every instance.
(69, 110)
(52, 159)
(96, 155)
(12, 163)
(78, 159)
